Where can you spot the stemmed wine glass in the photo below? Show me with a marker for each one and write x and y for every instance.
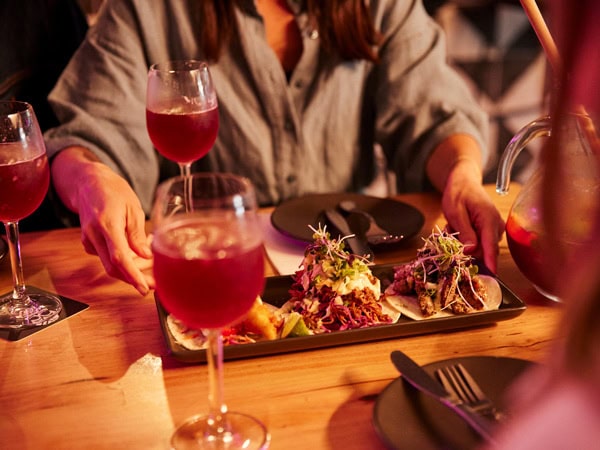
(24, 181)
(182, 115)
(209, 270)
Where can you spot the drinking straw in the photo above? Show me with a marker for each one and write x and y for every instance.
(543, 33)
(549, 46)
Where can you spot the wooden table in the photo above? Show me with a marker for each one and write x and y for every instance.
(103, 378)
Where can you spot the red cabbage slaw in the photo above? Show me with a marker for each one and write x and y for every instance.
(335, 290)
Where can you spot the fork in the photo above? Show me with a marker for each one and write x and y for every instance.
(459, 382)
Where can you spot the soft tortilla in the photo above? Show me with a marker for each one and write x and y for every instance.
(409, 306)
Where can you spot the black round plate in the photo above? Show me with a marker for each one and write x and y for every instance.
(405, 418)
(293, 217)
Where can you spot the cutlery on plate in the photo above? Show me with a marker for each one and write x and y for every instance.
(456, 379)
(374, 233)
(357, 246)
(416, 376)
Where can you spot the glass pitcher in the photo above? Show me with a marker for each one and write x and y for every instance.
(530, 245)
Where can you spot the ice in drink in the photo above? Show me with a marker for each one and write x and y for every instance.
(207, 274)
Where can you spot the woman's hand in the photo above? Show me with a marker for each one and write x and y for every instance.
(455, 169)
(111, 217)
(470, 212)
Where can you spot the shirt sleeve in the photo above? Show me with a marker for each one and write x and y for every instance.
(420, 100)
(100, 100)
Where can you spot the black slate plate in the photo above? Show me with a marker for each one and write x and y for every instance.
(293, 217)
(276, 293)
(405, 418)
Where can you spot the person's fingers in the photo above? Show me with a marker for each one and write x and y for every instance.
(459, 221)
(112, 247)
(491, 233)
(136, 233)
(486, 228)
(124, 263)
(145, 266)
(467, 235)
(112, 223)
(478, 224)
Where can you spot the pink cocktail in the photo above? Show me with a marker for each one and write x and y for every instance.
(183, 137)
(209, 271)
(23, 186)
(24, 182)
(182, 112)
(205, 285)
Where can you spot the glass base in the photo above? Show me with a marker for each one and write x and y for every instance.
(245, 432)
(37, 310)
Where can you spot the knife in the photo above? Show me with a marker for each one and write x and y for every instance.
(357, 245)
(416, 376)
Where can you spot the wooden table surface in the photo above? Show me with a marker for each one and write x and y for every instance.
(103, 378)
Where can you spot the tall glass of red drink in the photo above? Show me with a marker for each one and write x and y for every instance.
(24, 181)
(209, 270)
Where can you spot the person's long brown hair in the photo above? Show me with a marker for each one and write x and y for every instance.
(345, 27)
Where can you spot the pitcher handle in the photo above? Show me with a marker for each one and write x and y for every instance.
(534, 129)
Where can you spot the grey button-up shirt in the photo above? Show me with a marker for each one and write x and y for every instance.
(313, 132)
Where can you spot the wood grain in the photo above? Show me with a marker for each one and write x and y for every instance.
(103, 378)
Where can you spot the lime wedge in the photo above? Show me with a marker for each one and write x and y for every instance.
(294, 326)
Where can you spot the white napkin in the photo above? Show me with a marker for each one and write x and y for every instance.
(284, 252)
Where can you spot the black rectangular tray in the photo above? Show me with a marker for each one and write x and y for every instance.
(276, 293)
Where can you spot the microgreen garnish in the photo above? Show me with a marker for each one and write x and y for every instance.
(444, 251)
(441, 275)
(334, 289)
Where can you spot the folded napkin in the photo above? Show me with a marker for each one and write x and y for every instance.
(285, 253)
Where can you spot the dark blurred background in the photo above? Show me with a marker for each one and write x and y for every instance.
(492, 44)
(37, 40)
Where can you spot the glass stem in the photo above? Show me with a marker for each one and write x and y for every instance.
(216, 403)
(14, 247)
(186, 171)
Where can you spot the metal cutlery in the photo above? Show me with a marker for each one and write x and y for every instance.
(357, 245)
(375, 234)
(456, 379)
(420, 379)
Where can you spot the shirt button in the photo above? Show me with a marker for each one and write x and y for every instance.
(288, 125)
(298, 84)
(291, 179)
